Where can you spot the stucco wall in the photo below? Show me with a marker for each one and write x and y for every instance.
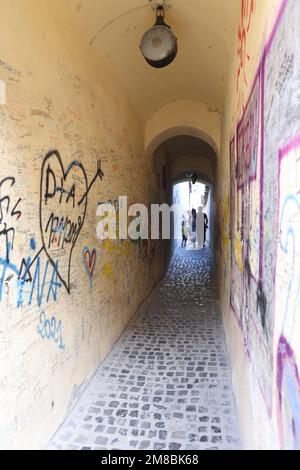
(183, 117)
(259, 222)
(63, 303)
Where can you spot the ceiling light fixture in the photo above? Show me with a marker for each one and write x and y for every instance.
(159, 44)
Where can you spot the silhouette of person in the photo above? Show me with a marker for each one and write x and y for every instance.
(200, 227)
(194, 227)
(184, 233)
(205, 228)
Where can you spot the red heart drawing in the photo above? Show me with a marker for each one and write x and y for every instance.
(89, 260)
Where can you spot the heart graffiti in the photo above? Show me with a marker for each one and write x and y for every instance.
(89, 262)
(63, 206)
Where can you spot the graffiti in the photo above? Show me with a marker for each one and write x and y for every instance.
(89, 262)
(107, 270)
(146, 249)
(38, 283)
(115, 225)
(77, 393)
(8, 269)
(236, 268)
(245, 207)
(265, 219)
(268, 116)
(27, 286)
(289, 255)
(280, 67)
(287, 296)
(247, 166)
(10, 68)
(281, 118)
(50, 329)
(63, 205)
(288, 382)
(62, 213)
(9, 213)
(248, 138)
(247, 12)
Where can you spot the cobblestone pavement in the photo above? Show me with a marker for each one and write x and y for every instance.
(167, 383)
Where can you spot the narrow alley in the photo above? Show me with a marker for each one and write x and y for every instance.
(149, 226)
(166, 384)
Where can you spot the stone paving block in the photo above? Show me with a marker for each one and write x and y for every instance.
(166, 383)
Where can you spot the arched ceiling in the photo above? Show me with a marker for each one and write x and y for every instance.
(182, 146)
(185, 153)
(206, 32)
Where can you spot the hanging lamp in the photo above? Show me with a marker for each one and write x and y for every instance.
(159, 44)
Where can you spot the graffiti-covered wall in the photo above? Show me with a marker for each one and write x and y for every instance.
(261, 311)
(69, 140)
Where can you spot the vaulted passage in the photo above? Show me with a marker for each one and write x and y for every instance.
(166, 384)
(94, 145)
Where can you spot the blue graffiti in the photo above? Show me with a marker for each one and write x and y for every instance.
(292, 391)
(32, 244)
(39, 286)
(38, 282)
(50, 329)
(8, 268)
(29, 288)
(288, 245)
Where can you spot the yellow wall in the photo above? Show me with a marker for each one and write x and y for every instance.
(258, 224)
(184, 117)
(60, 97)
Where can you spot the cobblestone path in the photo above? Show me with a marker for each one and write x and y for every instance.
(166, 384)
